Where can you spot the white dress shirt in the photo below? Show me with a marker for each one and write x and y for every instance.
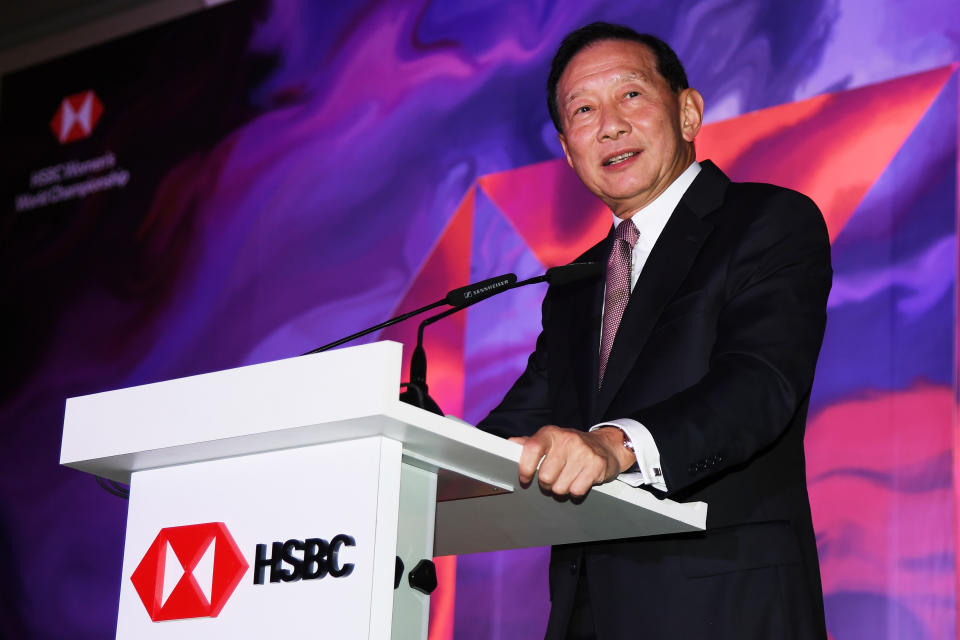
(650, 222)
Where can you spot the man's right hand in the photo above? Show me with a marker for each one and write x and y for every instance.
(572, 461)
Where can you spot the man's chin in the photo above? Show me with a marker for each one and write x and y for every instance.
(626, 200)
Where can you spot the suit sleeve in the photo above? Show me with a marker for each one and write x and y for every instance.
(761, 366)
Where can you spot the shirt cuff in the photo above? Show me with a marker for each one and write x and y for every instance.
(648, 456)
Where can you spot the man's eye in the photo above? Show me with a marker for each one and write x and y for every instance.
(631, 94)
(582, 109)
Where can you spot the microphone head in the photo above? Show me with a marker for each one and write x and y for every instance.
(568, 273)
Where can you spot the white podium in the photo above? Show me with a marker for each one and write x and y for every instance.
(277, 498)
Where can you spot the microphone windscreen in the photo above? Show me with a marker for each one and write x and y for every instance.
(572, 272)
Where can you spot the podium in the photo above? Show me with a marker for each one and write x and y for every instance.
(299, 496)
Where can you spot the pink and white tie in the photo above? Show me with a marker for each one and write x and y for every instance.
(618, 287)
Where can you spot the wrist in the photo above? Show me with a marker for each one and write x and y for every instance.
(622, 447)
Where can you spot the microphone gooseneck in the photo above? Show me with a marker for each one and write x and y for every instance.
(475, 292)
(417, 392)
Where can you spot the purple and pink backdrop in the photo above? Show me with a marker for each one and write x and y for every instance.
(265, 177)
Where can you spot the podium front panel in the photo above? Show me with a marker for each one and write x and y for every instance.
(280, 543)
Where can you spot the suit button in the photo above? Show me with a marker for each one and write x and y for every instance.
(573, 567)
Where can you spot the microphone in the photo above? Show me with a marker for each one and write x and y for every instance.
(460, 296)
(417, 392)
(565, 274)
(479, 291)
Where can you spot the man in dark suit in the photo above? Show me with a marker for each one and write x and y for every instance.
(686, 371)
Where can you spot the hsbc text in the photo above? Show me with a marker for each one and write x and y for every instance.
(308, 559)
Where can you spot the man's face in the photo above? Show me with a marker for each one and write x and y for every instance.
(625, 132)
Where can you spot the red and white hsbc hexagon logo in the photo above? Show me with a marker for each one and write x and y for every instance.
(77, 116)
(189, 572)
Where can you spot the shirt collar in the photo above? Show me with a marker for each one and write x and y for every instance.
(651, 219)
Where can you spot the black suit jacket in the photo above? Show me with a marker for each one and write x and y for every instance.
(715, 355)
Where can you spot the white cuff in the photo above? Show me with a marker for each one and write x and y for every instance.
(648, 456)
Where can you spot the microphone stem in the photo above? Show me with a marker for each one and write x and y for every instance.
(452, 310)
(382, 325)
(418, 360)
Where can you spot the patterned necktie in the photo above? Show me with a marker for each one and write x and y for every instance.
(618, 287)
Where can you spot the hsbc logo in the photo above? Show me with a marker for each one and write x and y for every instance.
(309, 559)
(189, 572)
(77, 116)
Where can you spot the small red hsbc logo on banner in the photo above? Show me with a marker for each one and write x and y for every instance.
(189, 572)
(77, 116)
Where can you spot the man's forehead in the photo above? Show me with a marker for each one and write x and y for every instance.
(607, 61)
(631, 56)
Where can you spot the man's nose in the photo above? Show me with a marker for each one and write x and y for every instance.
(613, 124)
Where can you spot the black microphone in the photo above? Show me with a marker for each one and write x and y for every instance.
(474, 292)
(565, 274)
(417, 392)
(477, 292)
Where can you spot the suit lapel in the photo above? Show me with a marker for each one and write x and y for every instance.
(664, 272)
(585, 321)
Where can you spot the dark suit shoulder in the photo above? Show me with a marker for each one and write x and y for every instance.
(758, 217)
(756, 200)
(768, 228)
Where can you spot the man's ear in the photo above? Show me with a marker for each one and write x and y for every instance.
(691, 113)
(563, 143)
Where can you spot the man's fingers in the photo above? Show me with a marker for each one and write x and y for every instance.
(570, 461)
(533, 451)
(573, 461)
(582, 483)
(579, 474)
(559, 485)
(563, 468)
(551, 468)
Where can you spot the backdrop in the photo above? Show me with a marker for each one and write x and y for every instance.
(249, 182)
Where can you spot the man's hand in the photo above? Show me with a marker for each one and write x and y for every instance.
(573, 461)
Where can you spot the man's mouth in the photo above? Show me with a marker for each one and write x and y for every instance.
(619, 158)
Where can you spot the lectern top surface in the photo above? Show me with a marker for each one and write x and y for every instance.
(333, 397)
